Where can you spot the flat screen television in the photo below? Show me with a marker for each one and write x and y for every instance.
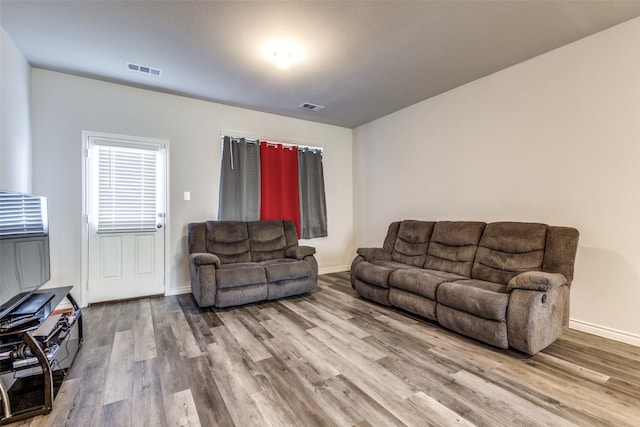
(24, 248)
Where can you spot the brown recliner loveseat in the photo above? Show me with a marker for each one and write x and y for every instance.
(236, 262)
(504, 283)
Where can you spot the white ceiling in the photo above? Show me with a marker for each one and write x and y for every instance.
(362, 60)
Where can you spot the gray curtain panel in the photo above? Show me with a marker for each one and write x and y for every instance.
(239, 181)
(313, 205)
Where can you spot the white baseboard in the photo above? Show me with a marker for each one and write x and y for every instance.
(338, 269)
(179, 291)
(605, 332)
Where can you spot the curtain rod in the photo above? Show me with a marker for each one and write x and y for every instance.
(286, 144)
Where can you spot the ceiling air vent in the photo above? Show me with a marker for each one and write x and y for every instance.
(144, 69)
(310, 106)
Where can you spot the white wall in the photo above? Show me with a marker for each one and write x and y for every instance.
(15, 123)
(64, 105)
(555, 139)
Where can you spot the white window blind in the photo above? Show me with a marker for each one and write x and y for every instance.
(22, 215)
(126, 189)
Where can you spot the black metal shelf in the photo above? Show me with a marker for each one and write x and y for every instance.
(33, 394)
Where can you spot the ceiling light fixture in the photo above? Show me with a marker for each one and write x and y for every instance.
(283, 59)
(283, 54)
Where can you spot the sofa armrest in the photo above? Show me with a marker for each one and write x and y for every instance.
(374, 254)
(203, 267)
(536, 319)
(537, 281)
(300, 252)
(205, 259)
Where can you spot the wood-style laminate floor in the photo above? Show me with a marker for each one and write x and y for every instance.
(329, 358)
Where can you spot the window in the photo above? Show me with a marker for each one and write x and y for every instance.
(270, 180)
(126, 189)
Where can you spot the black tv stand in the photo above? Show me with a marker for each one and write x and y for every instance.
(35, 356)
(18, 322)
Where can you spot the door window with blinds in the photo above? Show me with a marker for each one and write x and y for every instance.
(127, 196)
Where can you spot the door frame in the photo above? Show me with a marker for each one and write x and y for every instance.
(84, 275)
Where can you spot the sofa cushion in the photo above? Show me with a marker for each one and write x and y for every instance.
(412, 240)
(507, 249)
(453, 246)
(285, 269)
(488, 300)
(239, 274)
(419, 281)
(372, 292)
(267, 240)
(486, 330)
(373, 274)
(287, 288)
(238, 295)
(229, 240)
(376, 273)
(413, 303)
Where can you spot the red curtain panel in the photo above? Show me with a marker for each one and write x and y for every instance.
(279, 197)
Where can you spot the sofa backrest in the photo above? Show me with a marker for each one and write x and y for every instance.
(560, 251)
(453, 246)
(268, 239)
(392, 233)
(229, 240)
(509, 248)
(239, 241)
(412, 241)
(196, 237)
(493, 252)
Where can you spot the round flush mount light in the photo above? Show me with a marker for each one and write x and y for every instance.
(283, 54)
(282, 59)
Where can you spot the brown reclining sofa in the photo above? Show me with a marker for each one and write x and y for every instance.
(504, 283)
(237, 262)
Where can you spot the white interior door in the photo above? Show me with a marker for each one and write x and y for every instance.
(126, 218)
